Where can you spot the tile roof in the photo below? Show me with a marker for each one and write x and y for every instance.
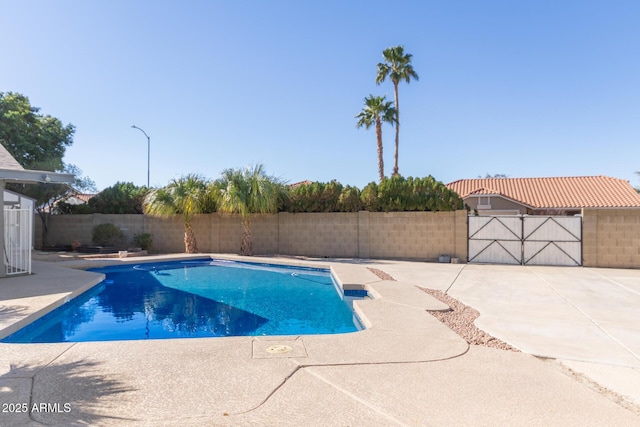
(85, 197)
(556, 192)
(298, 184)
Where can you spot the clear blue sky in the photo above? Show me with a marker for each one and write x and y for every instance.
(522, 88)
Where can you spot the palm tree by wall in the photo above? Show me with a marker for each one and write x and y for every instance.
(377, 110)
(187, 196)
(397, 66)
(248, 191)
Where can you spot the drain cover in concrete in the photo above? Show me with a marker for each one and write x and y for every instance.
(278, 349)
(265, 349)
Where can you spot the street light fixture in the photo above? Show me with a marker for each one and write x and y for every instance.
(148, 153)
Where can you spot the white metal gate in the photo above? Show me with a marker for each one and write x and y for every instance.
(526, 240)
(18, 238)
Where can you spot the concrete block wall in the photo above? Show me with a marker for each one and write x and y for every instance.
(418, 235)
(226, 236)
(64, 229)
(611, 238)
(167, 233)
(319, 234)
(406, 235)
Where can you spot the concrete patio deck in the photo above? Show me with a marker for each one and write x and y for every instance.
(407, 368)
(585, 318)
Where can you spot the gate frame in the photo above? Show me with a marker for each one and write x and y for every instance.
(523, 238)
(496, 217)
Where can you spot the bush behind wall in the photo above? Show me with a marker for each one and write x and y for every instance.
(395, 194)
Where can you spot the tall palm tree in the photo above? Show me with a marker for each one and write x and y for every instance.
(187, 196)
(377, 110)
(248, 191)
(397, 66)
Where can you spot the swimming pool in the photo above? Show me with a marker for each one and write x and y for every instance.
(198, 298)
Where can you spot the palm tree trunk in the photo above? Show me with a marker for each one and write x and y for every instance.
(395, 157)
(379, 139)
(246, 247)
(190, 245)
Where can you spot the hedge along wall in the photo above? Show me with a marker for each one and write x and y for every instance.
(611, 238)
(406, 235)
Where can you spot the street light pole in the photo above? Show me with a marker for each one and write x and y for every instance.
(148, 153)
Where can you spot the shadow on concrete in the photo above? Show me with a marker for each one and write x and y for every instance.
(12, 312)
(47, 279)
(70, 394)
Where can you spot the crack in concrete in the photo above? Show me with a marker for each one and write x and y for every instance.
(308, 368)
(33, 380)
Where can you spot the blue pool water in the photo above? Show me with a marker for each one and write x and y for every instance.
(198, 298)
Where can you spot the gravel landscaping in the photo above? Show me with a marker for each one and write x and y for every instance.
(460, 318)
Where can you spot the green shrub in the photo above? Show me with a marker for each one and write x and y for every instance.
(120, 198)
(349, 200)
(369, 197)
(395, 194)
(69, 209)
(143, 241)
(108, 235)
(315, 197)
(399, 194)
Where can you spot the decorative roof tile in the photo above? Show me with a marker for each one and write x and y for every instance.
(555, 192)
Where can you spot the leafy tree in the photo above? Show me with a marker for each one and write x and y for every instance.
(187, 196)
(120, 198)
(376, 111)
(31, 138)
(38, 142)
(397, 66)
(248, 191)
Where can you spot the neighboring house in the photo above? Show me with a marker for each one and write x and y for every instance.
(545, 196)
(298, 184)
(75, 198)
(72, 198)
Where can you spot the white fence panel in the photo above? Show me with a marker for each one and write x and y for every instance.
(495, 228)
(18, 238)
(495, 239)
(552, 241)
(552, 253)
(552, 228)
(495, 252)
(527, 240)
